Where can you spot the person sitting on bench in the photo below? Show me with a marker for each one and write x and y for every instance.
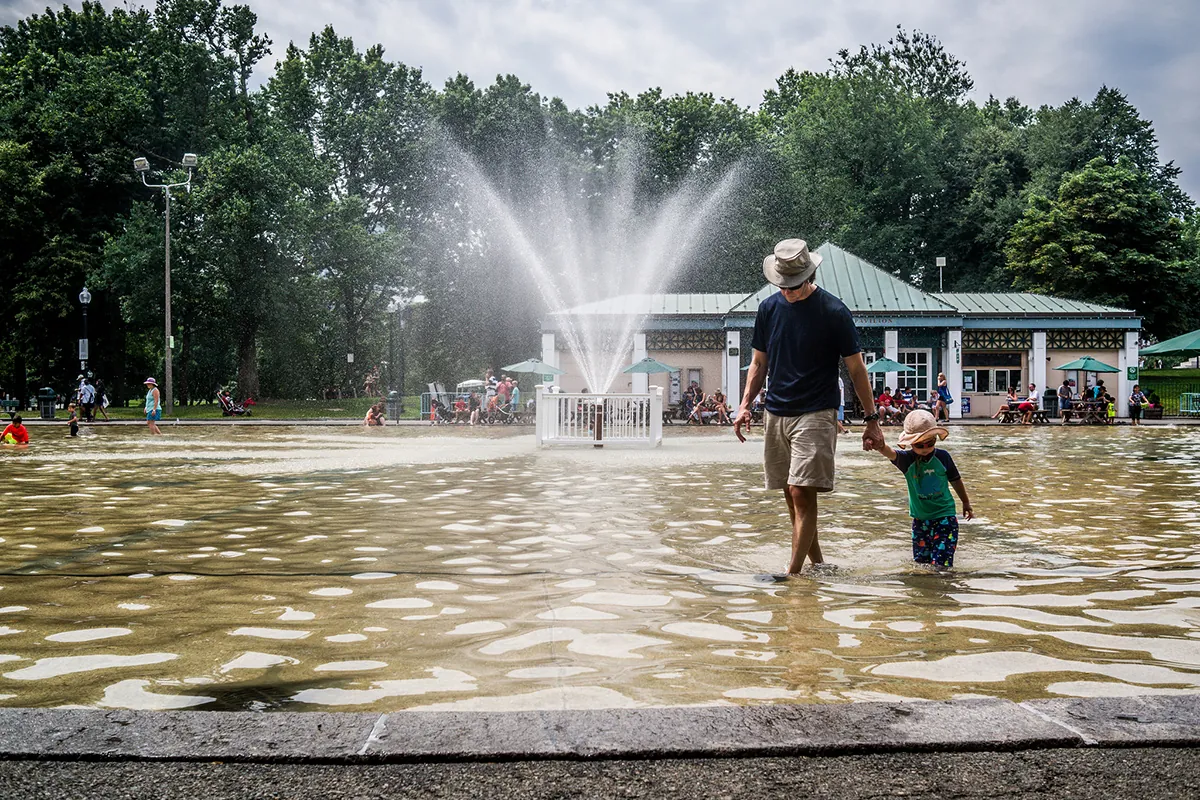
(1029, 405)
(1010, 404)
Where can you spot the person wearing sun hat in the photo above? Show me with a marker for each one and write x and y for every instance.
(930, 472)
(802, 335)
(153, 406)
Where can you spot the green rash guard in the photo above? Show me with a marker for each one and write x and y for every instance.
(929, 482)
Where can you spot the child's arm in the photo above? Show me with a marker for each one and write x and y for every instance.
(882, 447)
(961, 489)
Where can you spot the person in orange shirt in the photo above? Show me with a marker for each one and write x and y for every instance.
(16, 433)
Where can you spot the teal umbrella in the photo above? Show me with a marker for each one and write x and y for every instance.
(1185, 346)
(649, 366)
(534, 366)
(1088, 364)
(887, 365)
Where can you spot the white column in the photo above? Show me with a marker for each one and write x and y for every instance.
(656, 422)
(1037, 362)
(891, 349)
(952, 367)
(1126, 358)
(641, 381)
(731, 372)
(550, 354)
(539, 413)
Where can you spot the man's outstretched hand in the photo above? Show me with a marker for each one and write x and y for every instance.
(743, 418)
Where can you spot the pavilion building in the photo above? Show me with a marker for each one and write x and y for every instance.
(983, 342)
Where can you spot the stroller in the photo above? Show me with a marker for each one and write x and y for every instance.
(441, 414)
(229, 408)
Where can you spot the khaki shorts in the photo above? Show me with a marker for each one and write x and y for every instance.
(799, 450)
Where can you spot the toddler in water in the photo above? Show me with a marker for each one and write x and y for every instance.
(930, 473)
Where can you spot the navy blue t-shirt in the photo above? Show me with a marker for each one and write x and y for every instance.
(804, 341)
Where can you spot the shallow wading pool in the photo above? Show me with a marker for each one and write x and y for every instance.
(278, 568)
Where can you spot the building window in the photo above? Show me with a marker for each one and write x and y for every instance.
(918, 381)
(984, 380)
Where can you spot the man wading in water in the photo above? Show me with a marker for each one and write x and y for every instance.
(799, 335)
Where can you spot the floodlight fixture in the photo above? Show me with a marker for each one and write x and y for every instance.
(190, 160)
(141, 165)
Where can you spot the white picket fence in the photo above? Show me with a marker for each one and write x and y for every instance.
(633, 420)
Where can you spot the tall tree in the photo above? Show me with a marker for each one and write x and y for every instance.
(1107, 237)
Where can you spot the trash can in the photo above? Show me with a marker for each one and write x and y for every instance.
(46, 401)
(1050, 402)
(394, 407)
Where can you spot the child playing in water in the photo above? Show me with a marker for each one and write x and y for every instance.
(16, 433)
(930, 473)
(72, 420)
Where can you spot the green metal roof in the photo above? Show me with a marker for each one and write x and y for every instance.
(658, 305)
(1010, 304)
(862, 286)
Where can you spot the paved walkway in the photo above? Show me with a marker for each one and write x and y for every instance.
(1101, 773)
(1105, 747)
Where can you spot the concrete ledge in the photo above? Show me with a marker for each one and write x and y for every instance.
(777, 730)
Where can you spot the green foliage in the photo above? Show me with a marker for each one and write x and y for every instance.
(1109, 238)
(328, 201)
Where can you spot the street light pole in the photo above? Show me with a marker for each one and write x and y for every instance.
(142, 166)
(85, 298)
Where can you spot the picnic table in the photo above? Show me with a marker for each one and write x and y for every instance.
(1086, 412)
(1013, 415)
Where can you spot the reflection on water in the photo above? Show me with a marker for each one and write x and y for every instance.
(256, 568)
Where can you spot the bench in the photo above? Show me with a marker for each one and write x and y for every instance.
(1094, 415)
(10, 406)
(1011, 416)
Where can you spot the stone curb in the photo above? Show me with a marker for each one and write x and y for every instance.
(706, 732)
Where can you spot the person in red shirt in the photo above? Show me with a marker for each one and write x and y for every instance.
(885, 406)
(15, 433)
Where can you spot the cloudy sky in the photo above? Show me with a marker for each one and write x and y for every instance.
(1041, 51)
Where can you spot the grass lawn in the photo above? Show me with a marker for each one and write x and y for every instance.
(346, 408)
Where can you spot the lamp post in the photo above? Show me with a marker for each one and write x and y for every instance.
(85, 298)
(941, 262)
(142, 166)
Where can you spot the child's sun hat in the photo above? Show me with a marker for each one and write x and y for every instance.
(920, 425)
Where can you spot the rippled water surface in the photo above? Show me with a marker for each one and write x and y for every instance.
(277, 568)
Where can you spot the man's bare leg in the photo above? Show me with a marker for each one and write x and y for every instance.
(802, 509)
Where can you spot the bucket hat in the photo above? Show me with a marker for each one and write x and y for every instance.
(791, 264)
(150, 381)
(920, 425)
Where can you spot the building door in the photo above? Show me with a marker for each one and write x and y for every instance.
(694, 377)
(920, 381)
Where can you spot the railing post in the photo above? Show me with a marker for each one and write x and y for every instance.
(656, 407)
(538, 412)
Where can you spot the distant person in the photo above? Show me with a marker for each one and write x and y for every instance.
(1029, 405)
(153, 406)
(906, 399)
(885, 405)
(375, 416)
(841, 418)
(460, 410)
(101, 399)
(87, 399)
(800, 335)
(72, 419)
(514, 396)
(930, 472)
(1010, 403)
(945, 399)
(473, 407)
(16, 433)
(1137, 401)
(1065, 396)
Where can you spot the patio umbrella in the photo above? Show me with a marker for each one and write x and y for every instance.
(1187, 346)
(649, 366)
(887, 365)
(534, 366)
(1088, 364)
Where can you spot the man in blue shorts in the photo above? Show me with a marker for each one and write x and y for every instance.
(799, 336)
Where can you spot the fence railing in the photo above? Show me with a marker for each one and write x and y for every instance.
(1173, 388)
(599, 419)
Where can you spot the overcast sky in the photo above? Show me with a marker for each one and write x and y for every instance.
(1041, 51)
